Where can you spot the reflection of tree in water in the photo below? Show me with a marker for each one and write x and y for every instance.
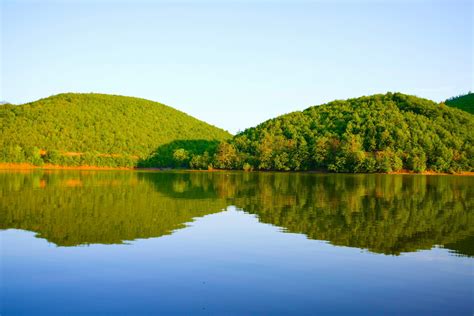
(197, 185)
(462, 247)
(102, 207)
(383, 213)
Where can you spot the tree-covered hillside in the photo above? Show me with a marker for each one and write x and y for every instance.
(94, 129)
(464, 102)
(379, 133)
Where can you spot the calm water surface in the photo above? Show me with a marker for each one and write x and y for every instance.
(96, 242)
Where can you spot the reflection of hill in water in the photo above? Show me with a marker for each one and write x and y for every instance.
(179, 185)
(77, 208)
(385, 214)
(462, 247)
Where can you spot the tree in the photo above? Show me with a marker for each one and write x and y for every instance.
(226, 156)
(181, 157)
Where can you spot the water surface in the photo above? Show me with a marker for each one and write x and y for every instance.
(94, 242)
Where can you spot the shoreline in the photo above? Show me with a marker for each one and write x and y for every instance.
(27, 166)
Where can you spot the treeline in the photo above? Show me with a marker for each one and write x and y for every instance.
(464, 102)
(194, 154)
(94, 129)
(379, 133)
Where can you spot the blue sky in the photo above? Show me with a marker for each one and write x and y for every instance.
(235, 64)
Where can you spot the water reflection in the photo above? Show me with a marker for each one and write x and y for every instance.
(106, 208)
(386, 214)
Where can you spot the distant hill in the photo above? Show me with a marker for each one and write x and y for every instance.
(94, 129)
(464, 102)
(379, 133)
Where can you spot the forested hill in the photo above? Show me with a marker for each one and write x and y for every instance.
(379, 133)
(464, 102)
(94, 129)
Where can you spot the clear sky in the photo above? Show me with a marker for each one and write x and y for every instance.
(235, 64)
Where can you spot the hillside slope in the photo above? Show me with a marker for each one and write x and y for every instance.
(379, 133)
(94, 129)
(463, 102)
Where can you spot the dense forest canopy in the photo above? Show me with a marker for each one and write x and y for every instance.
(94, 129)
(379, 133)
(464, 102)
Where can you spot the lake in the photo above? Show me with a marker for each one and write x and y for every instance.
(233, 243)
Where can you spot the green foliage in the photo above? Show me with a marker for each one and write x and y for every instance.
(464, 102)
(13, 153)
(203, 161)
(94, 129)
(182, 154)
(34, 156)
(247, 167)
(226, 156)
(53, 157)
(379, 133)
(387, 214)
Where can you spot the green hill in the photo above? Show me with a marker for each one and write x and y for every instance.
(94, 129)
(379, 133)
(464, 102)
